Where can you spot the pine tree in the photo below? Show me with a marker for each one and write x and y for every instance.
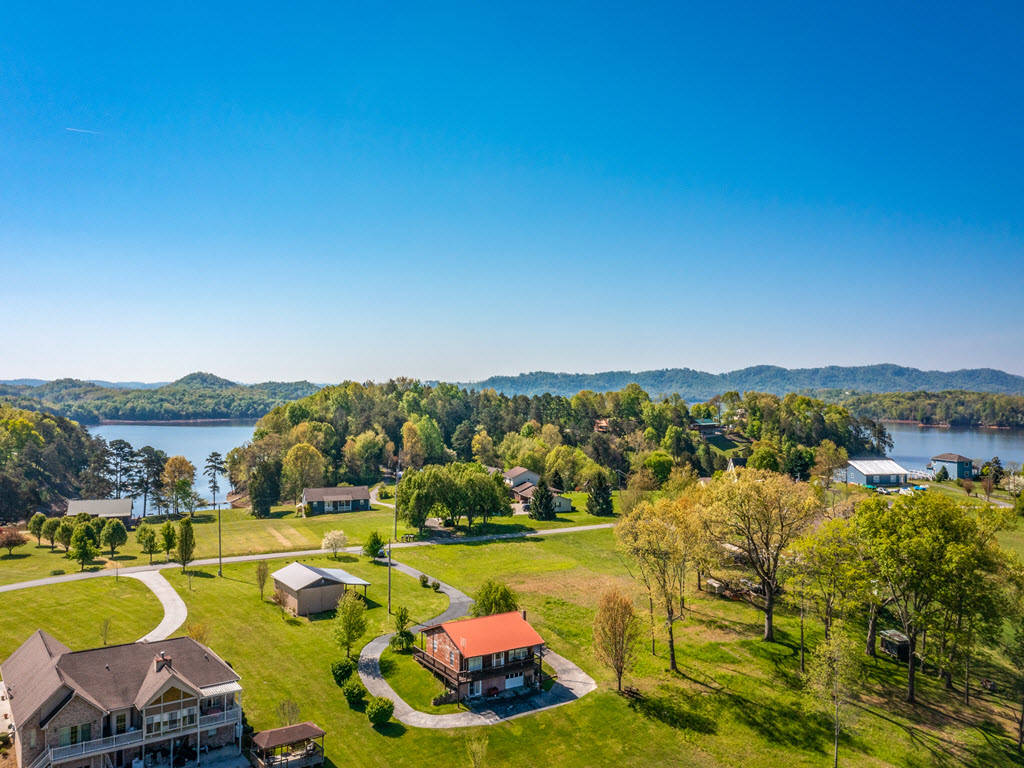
(542, 505)
(599, 502)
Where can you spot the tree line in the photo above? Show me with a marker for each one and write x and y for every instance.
(353, 433)
(954, 407)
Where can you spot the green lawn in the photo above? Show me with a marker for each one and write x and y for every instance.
(737, 701)
(74, 613)
(242, 534)
(413, 683)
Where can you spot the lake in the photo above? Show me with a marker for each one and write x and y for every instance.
(193, 441)
(914, 446)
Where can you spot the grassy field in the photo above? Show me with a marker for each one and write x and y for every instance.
(74, 613)
(736, 702)
(242, 534)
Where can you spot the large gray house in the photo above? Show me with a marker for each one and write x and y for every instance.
(118, 706)
(873, 471)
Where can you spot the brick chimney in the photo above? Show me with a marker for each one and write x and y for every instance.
(524, 614)
(162, 660)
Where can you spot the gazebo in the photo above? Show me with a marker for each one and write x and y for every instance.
(293, 746)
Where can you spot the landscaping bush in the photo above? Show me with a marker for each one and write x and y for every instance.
(380, 709)
(354, 692)
(424, 580)
(435, 585)
(342, 670)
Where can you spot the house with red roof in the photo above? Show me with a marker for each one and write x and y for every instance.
(485, 656)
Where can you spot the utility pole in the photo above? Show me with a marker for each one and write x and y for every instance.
(220, 559)
(398, 470)
(389, 577)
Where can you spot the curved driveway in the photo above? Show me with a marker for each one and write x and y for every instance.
(175, 611)
(572, 682)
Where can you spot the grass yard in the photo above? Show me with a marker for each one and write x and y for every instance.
(413, 683)
(736, 702)
(74, 613)
(242, 534)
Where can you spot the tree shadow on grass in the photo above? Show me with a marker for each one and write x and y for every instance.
(780, 723)
(675, 708)
(392, 729)
(122, 558)
(387, 666)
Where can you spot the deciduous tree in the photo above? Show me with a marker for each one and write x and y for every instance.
(494, 597)
(349, 621)
(186, 543)
(168, 539)
(334, 540)
(35, 527)
(147, 540)
(83, 548)
(616, 633)
(114, 535)
(11, 539)
(303, 467)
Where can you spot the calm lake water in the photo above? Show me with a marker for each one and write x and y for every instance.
(915, 446)
(193, 441)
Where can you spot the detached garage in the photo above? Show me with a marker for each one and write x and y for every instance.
(305, 589)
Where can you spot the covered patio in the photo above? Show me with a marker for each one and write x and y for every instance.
(293, 746)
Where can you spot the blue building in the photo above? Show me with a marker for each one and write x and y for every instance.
(873, 471)
(344, 498)
(959, 467)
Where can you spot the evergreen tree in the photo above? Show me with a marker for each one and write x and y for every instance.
(186, 543)
(542, 505)
(599, 502)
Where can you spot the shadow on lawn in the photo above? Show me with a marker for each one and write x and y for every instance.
(392, 729)
(676, 709)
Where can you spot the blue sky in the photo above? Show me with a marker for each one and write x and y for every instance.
(362, 190)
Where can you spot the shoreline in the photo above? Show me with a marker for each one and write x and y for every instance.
(176, 423)
(922, 425)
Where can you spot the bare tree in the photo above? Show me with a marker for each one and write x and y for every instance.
(288, 712)
(262, 571)
(616, 633)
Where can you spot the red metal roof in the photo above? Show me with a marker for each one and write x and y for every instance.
(492, 634)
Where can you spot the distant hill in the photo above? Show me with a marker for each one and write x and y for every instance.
(97, 382)
(695, 386)
(195, 396)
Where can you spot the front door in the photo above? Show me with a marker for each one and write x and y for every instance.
(475, 688)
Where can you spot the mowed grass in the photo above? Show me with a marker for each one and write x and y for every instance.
(413, 682)
(283, 531)
(74, 613)
(737, 701)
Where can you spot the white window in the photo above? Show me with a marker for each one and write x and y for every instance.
(433, 641)
(451, 658)
(475, 663)
(188, 716)
(498, 660)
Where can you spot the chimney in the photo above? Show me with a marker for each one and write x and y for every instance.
(162, 660)
(524, 614)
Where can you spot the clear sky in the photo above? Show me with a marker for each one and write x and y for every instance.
(360, 190)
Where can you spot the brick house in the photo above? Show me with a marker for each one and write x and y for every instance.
(485, 656)
(109, 707)
(344, 498)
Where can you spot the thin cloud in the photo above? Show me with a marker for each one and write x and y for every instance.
(84, 130)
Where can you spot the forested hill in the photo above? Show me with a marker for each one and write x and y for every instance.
(695, 386)
(196, 396)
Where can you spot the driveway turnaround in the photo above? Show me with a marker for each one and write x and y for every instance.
(175, 611)
(572, 683)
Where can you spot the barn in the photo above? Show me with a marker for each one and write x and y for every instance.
(306, 589)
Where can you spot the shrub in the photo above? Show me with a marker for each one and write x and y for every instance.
(354, 692)
(435, 585)
(342, 670)
(374, 544)
(424, 580)
(380, 709)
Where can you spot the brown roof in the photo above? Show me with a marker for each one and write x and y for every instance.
(340, 493)
(950, 457)
(112, 677)
(289, 734)
(30, 674)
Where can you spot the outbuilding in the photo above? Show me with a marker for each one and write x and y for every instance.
(106, 509)
(873, 471)
(895, 644)
(958, 467)
(306, 589)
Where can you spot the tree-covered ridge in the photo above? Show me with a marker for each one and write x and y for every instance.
(695, 385)
(359, 430)
(956, 407)
(196, 396)
(44, 460)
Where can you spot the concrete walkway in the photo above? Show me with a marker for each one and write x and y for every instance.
(135, 569)
(572, 683)
(175, 611)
